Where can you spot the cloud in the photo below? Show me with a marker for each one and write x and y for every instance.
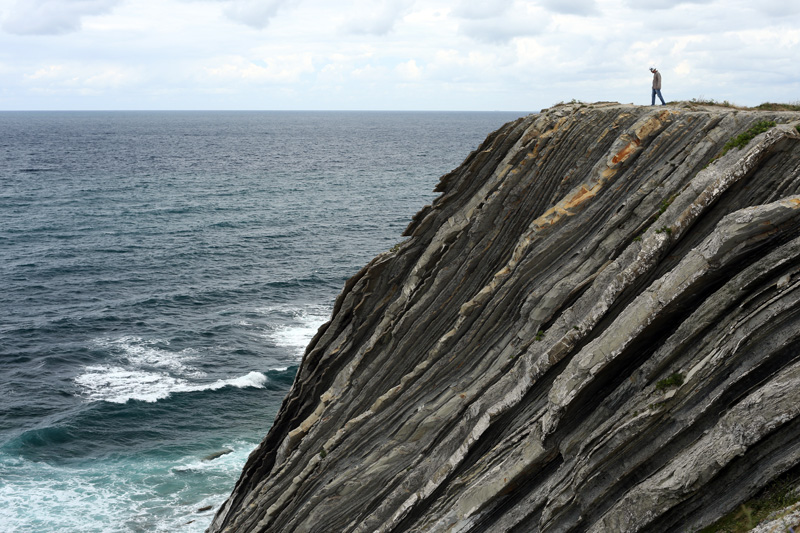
(572, 7)
(495, 31)
(456, 66)
(777, 8)
(276, 69)
(469, 54)
(52, 17)
(409, 70)
(504, 28)
(81, 79)
(481, 9)
(254, 13)
(653, 5)
(369, 74)
(48, 72)
(378, 18)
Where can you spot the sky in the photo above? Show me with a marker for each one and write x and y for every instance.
(468, 55)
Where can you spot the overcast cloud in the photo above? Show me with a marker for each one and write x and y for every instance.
(392, 54)
(50, 17)
(253, 13)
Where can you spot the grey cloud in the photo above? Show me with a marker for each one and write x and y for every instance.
(698, 20)
(381, 18)
(653, 5)
(481, 9)
(572, 7)
(254, 13)
(52, 17)
(501, 30)
(776, 8)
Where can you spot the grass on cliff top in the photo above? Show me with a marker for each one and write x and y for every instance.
(769, 106)
(779, 495)
(766, 106)
(711, 101)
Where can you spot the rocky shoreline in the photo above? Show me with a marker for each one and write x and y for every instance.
(594, 328)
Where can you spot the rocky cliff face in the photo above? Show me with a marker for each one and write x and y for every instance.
(594, 328)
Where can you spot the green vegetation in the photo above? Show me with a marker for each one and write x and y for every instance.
(797, 128)
(664, 229)
(674, 380)
(396, 247)
(769, 106)
(766, 106)
(666, 203)
(323, 453)
(571, 102)
(740, 141)
(777, 496)
(710, 101)
(539, 335)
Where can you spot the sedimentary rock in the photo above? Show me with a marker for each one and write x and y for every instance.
(594, 328)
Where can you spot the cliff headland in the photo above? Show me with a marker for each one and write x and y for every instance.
(595, 327)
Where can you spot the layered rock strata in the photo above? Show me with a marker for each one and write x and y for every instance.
(594, 328)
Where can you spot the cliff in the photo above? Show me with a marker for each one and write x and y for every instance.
(594, 328)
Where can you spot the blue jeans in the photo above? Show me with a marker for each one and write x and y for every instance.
(657, 92)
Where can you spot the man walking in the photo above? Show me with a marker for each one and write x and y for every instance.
(656, 86)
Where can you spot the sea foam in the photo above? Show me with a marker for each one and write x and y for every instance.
(298, 328)
(118, 385)
(146, 372)
(116, 494)
(151, 353)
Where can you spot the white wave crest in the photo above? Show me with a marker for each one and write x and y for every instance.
(138, 352)
(118, 385)
(296, 327)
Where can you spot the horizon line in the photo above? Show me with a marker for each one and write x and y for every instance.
(267, 110)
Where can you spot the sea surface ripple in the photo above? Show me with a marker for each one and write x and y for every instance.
(160, 276)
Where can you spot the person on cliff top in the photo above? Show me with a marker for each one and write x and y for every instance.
(656, 86)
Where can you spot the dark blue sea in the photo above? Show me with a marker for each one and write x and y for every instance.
(160, 276)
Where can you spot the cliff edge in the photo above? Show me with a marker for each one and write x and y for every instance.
(594, 328)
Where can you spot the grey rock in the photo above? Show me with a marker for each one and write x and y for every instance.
(217, 454)
(784, 521)
(594, 328)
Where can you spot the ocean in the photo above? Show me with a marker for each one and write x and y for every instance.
(160, 276)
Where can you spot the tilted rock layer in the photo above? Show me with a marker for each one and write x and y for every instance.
(594, 328)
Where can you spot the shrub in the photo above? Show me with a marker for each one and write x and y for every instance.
(770, 106)
(674, 380)
(666, 203)
(710, 101)
(396, 247)
(741, 140)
